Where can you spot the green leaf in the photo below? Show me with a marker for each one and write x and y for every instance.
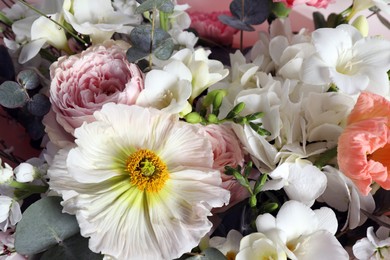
(39, 105)
(235, 23)
(209, 254)
(43, 225)
(29, 79)
(140, 37)
(134, 54)
(164, 49)
(73, 248)
(12, 95)
(255, 11)
(150, 5)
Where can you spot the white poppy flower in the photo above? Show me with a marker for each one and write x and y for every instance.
(342, 194)
(140, 183)
(373, 247)
(303, 233)
(10, 212)
(98, 20)
(345, 58)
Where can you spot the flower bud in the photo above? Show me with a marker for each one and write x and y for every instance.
(193, 118)
(361, 24)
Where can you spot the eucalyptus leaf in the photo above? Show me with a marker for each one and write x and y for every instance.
(7, 71)
(12, 95)
(29, 79)
(43, 225)
(235, 23)
(319, 20)
(73, 248)
(250, 11)
(165, 49)
(209, 254)
(34, 127)
(39, 105)
(140, 37)
(134, 54)
(149, 5)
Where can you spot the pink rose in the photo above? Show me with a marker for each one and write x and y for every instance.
(364, 146)
(315, 3)
(209, 27)
(227, 150)
(83, 83)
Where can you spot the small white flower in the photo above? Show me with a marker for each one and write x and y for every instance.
(229, 245)
(374, 246)
(6, 173)
(345, 58)
(10, 212)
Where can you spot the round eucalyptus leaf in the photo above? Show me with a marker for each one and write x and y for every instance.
(161, 5)
(134, 54)
(12, 95)
(209, 254)
(29, 79)
(255, 11)
(165, 49)
(43, 225)
(235, 23)
(73, 248)
(39, 105)
(140, 37)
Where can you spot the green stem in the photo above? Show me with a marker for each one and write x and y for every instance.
(152, 37)
(5, 19)
(164, 21)
(28, 187)
(326, 157)
(57, 23)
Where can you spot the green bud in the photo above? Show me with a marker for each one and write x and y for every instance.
(217, 102)
(236, 110)
(361, 24)
(240, 120)
(248, 168)
(209, 99)
(193, 118)
(255, 116)
(241, 179)
(258, 129)
(212, 118)
(259, 184)
(229, 170)
(270, 207)
(252, 201)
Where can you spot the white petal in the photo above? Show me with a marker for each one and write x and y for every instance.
(30, 50)
(326, 220)
(315, 71)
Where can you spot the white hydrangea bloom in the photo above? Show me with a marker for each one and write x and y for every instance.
(140, 183)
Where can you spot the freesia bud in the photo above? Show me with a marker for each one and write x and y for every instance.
(361, 24)
(193, 118)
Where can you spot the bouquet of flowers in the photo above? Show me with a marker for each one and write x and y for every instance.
(158, 137)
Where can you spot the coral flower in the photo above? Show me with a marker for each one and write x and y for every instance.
(140, 183)
(364, 146)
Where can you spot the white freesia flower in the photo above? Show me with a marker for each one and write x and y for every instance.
(229, 245)
(204, 72)
(98, 20)
(140, 183)
(374, 246)
(10, 212)
(6, 173)
(258, 246)
(300, 179)
(166, 92)
(303, 233)
(345, 58)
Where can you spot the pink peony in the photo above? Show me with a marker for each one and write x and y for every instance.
(209, 27)
(315, 3)
(82, 83)
(364, 146)
(227, 150)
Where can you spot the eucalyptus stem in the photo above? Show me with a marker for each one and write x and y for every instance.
(54, 21)
(152, 37)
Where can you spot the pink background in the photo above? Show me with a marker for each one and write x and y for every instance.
(300, 17)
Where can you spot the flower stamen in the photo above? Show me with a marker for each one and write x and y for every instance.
(147, 171)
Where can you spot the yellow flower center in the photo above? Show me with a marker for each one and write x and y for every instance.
(147, 171)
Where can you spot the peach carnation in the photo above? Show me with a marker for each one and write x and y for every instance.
(364, 146)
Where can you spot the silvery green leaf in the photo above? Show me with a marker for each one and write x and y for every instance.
(235, 23)
(150, 5)
(140, 38)
(255, 11)
(73, 248)
(12, 95)
(43, 225)
(209, 254)
(39, 105)
(164, 49)
(134, 54)
(29, 79)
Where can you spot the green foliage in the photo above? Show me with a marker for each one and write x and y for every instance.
(280, 9)
(332, 21)
(246, 13)
(39, 105)
(165, 6)
(12, 95)
(28, 79)
(43, 225)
